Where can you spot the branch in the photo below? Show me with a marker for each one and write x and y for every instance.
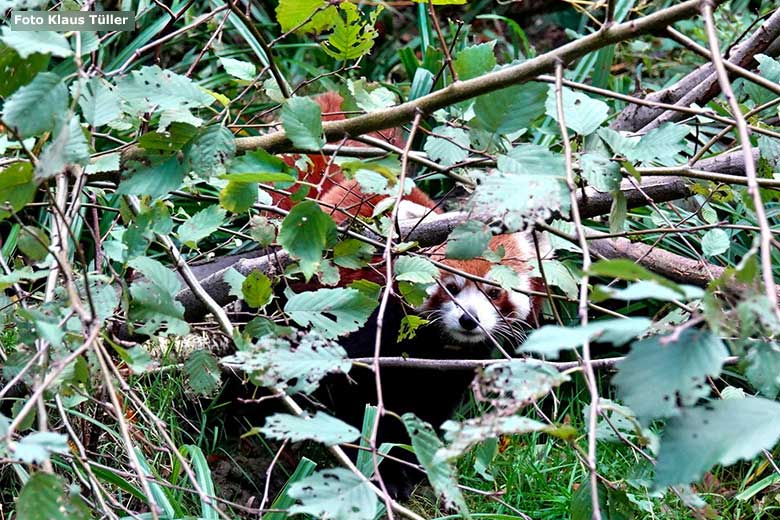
(700, 86)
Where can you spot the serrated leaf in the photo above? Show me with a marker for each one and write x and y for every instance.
(27, 43)
(583, 114)
(659, 146)
(153, 298)
(99, 102)
(277, 363)
(468, 240)
(377, 99)
(302, 122)
(441, 474)
(475, 60)
(21, 274)
(256, 290)
(551, 339)
(170, 141)
(69, 146)
(320, 428)
(715, 242)
(509, 385)
(352, 254)
(36, 107)
(208, 153)
(763, 369)
(39, 446)
(719, 432)
(333, 312)
(601, 172)
(239, 69)
(510, 109)
(204, 376)
(305, 233)
(306, 15)
(336, 494)
(557, 275)
(43, 497)
(461, 436)
(238, 197)
(415, 269)
(154, 181)
(201, 225)
(506, 277)
(136, 358)
(662, 373)
(451, 148)
(352, 37)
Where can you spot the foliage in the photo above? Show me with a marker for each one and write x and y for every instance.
(130, 160)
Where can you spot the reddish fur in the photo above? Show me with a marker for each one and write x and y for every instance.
(334, 189)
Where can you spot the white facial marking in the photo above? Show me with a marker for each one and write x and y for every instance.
(469, 316)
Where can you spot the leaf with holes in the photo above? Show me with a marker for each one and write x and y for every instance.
(99, 102)
(43, 497)
(201, 225)
(69, 146)
(719, 432)
(468, 240)
(475, 60)
(38, 447)
(333, 312)
(415, 269)
(306, 15)
(461, 436)
(763, 369)
(509, 385)
(583, 114)
(447, 145)
(551, 339)
(154, 181)
(27, 43)
(353, 35)
(203, 374)
(662, 373)
(302, 121)
(208, 153)
(36, 107)
(600, 171)
(305, 233)
(320, 428)
(336, 494)
(278, 364)
(256, 289)
(441, 474)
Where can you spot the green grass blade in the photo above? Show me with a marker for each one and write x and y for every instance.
(283, 501)
(203, 476)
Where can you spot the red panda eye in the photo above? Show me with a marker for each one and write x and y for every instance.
(494, 293)
(452, 288)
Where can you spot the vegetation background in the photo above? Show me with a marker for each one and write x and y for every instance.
(641, 136)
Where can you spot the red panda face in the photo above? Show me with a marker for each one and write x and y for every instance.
(469, 312)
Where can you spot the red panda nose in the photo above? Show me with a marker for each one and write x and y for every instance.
(467, 322)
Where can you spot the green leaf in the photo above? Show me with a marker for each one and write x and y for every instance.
(34, 243)
(352, 37)
(475, 60)
(27, 43)
(302, 121)
(715, 242)
(333, 312)
(68, 147)
(506, 277)
(259, 166)
(43, 498)
(239, 69)
(203, 374)
(169, 142)
(153, 298)
(321, 428)
(662, 373)
(201, 225)
(551, 339)
(600, 171)
(336, 494)
(451, 148)
(19, 275)
(17, 188)
(530, 180)
(510, 109)
(613, 503)
(36, 107)
(352, 253)
(154, 181)
(17, 71)
(415, 269)
(379, 98)
(441, 474)
(462, 436)
(99, 102)
(719, 432)
(256, 290)
(468, 240)
(238, 197)
(207, 154)
(583, 114)
(509, 385)
(292, 14)
(276, 363)
(659, 146)
(37, 447)
(262, 230)
(763, 369)
(649, 289)
(305, 233)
